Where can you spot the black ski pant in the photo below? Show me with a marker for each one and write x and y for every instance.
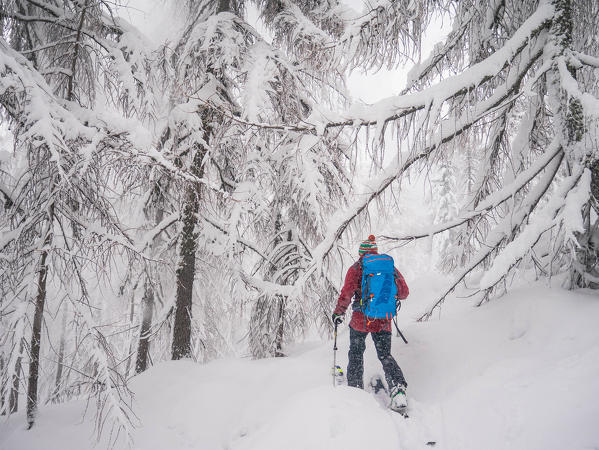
(382, 344)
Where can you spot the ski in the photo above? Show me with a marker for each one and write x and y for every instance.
(381, 393)
(379, 390)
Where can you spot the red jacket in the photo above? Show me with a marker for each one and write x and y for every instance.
(352, 288)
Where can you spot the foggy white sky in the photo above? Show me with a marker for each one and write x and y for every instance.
(372, 87)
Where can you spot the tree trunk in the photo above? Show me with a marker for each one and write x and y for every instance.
(187, 258)
(185, 278)
(35, 339)
(3, 386)
(585, 269)
(59, 368)
(13, 401)
(10, 386)
(146, 322)
(588, 253)
(594, 168)
(280, 329)
(130, 340)
(282, 300)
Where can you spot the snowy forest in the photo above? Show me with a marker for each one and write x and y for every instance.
(199, 193)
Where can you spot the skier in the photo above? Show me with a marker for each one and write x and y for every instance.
(379, 328)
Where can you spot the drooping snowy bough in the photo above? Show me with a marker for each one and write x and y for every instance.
(59, 225)
(511, 97)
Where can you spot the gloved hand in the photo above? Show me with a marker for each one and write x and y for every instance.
(337, 318)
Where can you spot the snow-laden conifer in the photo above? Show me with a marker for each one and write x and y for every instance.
(508, 83)
(60, 228)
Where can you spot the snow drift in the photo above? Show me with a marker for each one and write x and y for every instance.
(521, 372)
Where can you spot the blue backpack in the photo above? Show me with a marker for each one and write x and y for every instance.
(379, 292)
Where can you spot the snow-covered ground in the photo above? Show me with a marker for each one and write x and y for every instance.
(521, 372)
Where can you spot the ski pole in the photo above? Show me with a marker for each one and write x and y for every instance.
(335, 357)
(399, 333)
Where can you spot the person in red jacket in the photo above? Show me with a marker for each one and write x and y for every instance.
(379, 329)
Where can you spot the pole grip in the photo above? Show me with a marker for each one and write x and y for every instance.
(335, 344)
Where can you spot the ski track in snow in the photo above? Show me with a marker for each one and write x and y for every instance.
(521, 372)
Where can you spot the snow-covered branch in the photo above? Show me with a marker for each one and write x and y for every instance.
(491, 202)
(505, 232)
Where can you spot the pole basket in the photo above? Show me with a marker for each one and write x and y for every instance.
(338, 375)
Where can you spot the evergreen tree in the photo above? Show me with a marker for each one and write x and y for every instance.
(59, 219)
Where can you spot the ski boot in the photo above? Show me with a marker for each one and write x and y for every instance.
(399, 401)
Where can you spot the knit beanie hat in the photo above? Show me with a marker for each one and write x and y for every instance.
(368, 246)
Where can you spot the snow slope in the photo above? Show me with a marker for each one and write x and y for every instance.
(521, 372)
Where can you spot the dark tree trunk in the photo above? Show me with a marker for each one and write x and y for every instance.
(594, 168)
(187, 259)
(60, 365)
(278, 348)
(11, 386)
(13, 400)
(144, 335)
(586, 263)
(280, 329)
(131, 341)
(3, 386)
(185, 278)
(590, 240)
(36, 332)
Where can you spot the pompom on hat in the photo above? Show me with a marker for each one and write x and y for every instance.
(368, 246)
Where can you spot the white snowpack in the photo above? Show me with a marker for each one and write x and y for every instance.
(521, 372)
